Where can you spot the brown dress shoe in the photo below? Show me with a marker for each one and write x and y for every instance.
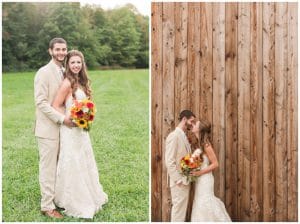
(52, 214)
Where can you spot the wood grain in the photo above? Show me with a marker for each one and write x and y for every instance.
(236, 65)
(156, 112)
(244, 111)
(218, 128)
(168, 29)
(231, 109)
(269, 112)
(281, 110)
(292, 112)
(256, 116)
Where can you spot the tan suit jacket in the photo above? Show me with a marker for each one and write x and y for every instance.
(46, 83)
(177, 146)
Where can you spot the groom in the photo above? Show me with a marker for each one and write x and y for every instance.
(177, 146)
(46, 83)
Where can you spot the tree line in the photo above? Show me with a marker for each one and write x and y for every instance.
(107, 38)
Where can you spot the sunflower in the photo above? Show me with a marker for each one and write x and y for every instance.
(82, 123)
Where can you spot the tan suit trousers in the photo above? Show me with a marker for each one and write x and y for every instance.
(180, 197)
(48, 153)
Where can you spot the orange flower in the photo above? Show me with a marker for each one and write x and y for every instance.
(73, 113)
(78, 104)
(193, 165)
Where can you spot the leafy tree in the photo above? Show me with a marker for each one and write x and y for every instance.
(117, 37)
(143, 28)
(125, 37)
(14, 42)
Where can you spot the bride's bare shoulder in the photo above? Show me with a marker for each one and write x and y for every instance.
(66, 83)
(208, 147)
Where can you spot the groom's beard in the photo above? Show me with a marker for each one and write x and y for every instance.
(58, 58)
(188, 126)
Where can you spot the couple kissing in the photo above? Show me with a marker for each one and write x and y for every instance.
(206, 207)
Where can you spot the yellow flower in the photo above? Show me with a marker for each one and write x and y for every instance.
(75, 109)
(82, 123)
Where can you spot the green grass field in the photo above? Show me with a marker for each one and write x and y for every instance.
(120, 141)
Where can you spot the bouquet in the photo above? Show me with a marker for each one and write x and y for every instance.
(82, 113)
(190, 163)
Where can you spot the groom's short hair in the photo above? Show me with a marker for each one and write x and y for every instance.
(186, 113)
(56, 40)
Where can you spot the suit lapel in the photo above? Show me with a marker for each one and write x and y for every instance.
(187, 144)
(54, 72)
(185, 141)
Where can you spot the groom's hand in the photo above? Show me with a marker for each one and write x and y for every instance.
(179, 183)
(68, 122)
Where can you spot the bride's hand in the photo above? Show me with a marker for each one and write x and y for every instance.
(68, 122)
(196, 173)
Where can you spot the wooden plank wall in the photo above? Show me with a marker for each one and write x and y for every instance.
(234, 64)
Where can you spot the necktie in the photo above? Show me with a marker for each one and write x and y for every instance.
(61, 73)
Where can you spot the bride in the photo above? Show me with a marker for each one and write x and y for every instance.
(77, 190)
(206, 207)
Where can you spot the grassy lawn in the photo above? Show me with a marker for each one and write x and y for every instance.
(119, 136)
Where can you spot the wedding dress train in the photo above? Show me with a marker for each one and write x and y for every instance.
(206, 206)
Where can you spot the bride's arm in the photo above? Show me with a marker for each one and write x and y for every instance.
(61, 95)
(213, 162)
(63, 92)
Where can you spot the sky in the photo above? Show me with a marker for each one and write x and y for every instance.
(142, 6)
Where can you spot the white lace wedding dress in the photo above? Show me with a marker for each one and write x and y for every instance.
(206, 206)
(77, 188)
